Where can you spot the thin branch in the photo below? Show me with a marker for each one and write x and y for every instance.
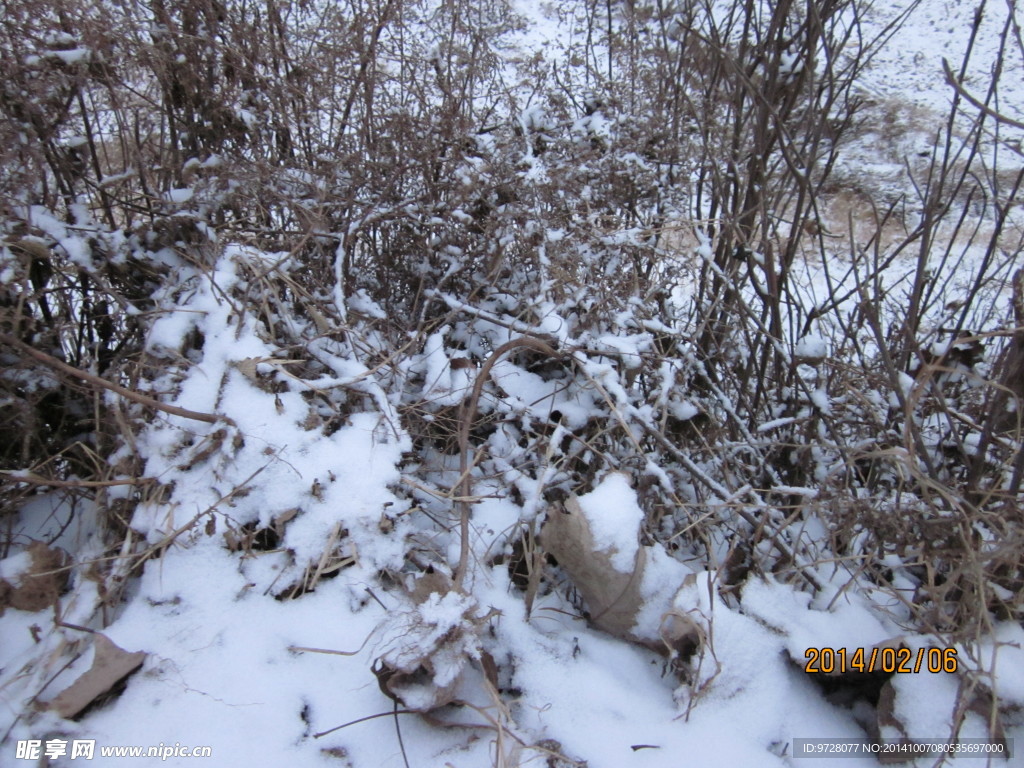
(34, 479)
(464, 489)
(364, 719)
(96, 381)
(958, 87)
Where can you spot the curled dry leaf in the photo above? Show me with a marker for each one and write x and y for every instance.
(613, 597)
(619, 600)
(431, 647)
(110, 665)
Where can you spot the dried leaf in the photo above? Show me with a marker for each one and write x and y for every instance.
(110, 665)
(887, 709)
(431, 582)
(418, 689)
(490, 669)
(31, 248)
(281, 520)
(322, 326)
(432, 647)
(247, 367)
(40, 585)
(887, 719)
(612, 597)
(681, 635)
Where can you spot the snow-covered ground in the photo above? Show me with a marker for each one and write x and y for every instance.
(910, 70)
(262, 651)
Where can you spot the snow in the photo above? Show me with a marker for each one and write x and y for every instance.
(73, 56)
(231, 636)
(768, 426)
(684, 411)
(361, 302)
(911, 67)
(179, 196)
(614, 516)
(12, 568)
(812, 347)
(820, 399)
(219, 671)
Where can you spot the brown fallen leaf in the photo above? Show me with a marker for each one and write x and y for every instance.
(612, 597)
(110, 665)
(41, 585)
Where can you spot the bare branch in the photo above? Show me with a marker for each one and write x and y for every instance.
(101, 383)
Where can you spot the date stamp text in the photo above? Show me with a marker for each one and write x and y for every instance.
(830, 661)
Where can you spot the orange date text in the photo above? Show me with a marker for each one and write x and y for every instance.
(833, 661)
